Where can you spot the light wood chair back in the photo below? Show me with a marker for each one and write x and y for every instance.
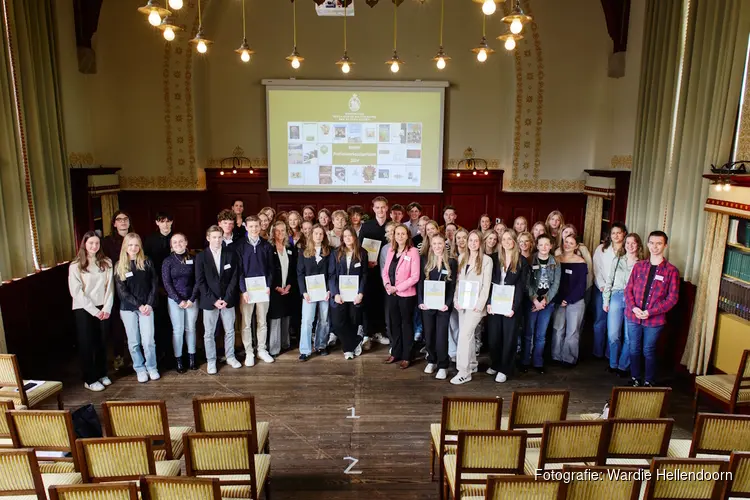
(113, 459)
(46, 430)
(639, 402)
(19, 475)
(114, 491)
(170, 488)
(5, 439)
(610, 482)
(530, 409)
(139, 419)
(230, 414)
(731, 391)
(12, 386)
(738, 483)
(639, 440)
(680, 479)
(574, 441)
(523, 488)
(720, 434)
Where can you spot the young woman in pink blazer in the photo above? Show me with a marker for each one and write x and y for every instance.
(400, 278)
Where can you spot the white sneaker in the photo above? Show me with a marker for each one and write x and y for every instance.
(441, 374)
(358, 349)
(154, 375)
(381, 339)
(430, 368)
(366, 344)
(211, 368)
(234, 363)
(142, 377)
(332, 338)
(265, 356)
(453, 359)
(96, 387)
(460, 379)
(490, 371)
(348, 355)
(106, 382)
(475, 369)
(500, 378)
(250, 360)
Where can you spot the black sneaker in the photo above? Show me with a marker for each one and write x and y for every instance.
(539, 370)
(634, 382)
(523, 368)
(304, 357)
(648, 384)
(180, 367)
(609, 369)
(623, 373)
(323, 352)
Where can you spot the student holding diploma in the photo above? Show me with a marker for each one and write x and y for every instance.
(508, 288)
(470, 300)
(216, 274)
(400, 277)
(312, 269)
(347, 264)
(440, 272)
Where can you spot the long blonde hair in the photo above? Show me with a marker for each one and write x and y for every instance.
(325, 248)
(454, 246)
(426, 239)
(432, 259)
(515, 253)
(480, 253)
(123, 265)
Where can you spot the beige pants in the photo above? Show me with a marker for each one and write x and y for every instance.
(466, 356)
(261, 333)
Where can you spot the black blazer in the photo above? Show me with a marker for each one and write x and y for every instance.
(213, 285)
(283, 305)
(335, 269)
(435, 275)
(518, 279)
(306, 266)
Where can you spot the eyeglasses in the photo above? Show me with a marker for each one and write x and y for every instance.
(122, 219)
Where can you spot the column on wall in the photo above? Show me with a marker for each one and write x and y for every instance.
(598, 190)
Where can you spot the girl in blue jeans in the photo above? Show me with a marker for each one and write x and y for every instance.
(178, 276)
(614, 304)
(313, 262)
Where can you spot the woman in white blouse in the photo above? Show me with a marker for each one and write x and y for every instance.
(475, 271)
(92, 288)
(604, 255)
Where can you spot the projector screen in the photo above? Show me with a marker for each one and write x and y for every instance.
(355, 136)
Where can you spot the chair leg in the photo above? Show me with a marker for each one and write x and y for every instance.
(432, 461)
(268, 489)
(267, 447)
(695, 406)
(60, 405)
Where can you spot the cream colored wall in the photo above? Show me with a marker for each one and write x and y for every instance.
(163, 114)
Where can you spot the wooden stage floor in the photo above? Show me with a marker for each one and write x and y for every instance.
(307, 405)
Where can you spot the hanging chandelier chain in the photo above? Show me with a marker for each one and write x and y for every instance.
(484, 25)
(244, 31)
(200, 18)
(442, 16)
(395, 25)
(294, 10)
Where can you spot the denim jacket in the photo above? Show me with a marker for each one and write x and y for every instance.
(535, 274)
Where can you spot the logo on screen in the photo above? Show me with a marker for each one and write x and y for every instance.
(354, 103)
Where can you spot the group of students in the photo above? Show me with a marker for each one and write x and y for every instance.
(551, 273)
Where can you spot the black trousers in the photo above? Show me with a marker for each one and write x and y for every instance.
(117, 337)
(91, 333)
(435, 325)
(163, 330)
(374, 305)
(346, 319)
(401, 316)
(502, 335)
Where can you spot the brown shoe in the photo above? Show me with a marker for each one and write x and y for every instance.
(390, 360)
(404, 364)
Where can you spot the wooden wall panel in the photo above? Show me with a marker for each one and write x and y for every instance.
(187, 208)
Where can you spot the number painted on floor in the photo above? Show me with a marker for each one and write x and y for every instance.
(349, 470)
(353, 415)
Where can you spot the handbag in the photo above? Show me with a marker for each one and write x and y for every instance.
(86, 422)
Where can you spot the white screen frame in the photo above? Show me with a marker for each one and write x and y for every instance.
(355, 86)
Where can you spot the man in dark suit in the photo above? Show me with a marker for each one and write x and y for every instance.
(216, 274)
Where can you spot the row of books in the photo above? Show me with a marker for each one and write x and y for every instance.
(737, 263)
(734, 297)
(739, 232)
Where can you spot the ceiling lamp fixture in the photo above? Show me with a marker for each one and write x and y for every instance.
(200, 41)
(517, 19)
(483, 50)
(510, 40)
(154, 11)
(294, 57)
(244, 50)
(168, 28)
(441, 57)
(345, 62)
(488, 6)
(395, 62)
(175, 4)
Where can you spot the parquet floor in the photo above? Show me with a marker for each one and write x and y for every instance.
(308, 404)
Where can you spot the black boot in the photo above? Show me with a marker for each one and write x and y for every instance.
(180, 367)
(193, 364)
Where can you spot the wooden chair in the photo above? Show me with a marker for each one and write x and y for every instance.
(5, 440)
(714, 434)
(229, 457)
(145, 419)
(461, 414)
(571, 441)
(12, 386)
(121, 459)
(479, 454)
(663, 483)
(523, 488)
(20, 477)
(627, 485)
(635, 402)
(738, 483)
(530, 409)
(634, 442)
(231, 414)
(46, 431)
(730, 391)
(114, 491)
(170, 488)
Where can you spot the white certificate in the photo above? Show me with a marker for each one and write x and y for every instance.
(468, 294)
(316, 287)
(434, 294)
(256, 288)
(502, 298)
(348, 287)
(373, 249)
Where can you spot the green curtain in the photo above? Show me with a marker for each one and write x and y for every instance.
(16, 254)
(691, 79)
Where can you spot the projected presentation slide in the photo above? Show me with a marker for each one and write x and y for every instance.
(348, 140)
